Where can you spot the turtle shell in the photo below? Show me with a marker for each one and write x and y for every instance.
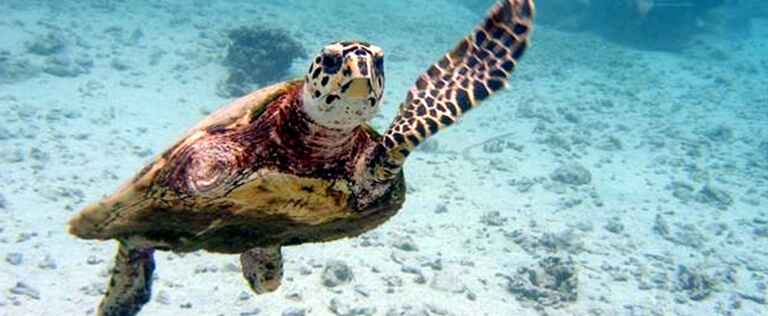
(238, 180)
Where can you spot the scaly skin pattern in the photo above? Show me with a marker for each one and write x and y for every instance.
(479, 66)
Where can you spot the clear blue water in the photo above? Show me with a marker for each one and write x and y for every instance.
(623, 172)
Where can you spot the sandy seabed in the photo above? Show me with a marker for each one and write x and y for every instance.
(605, 181)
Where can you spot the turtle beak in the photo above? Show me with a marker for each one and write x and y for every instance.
(358, 88)
(360, 77)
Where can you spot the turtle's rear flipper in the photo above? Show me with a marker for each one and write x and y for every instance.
(477, 67)
(263, 268)
(130, 285)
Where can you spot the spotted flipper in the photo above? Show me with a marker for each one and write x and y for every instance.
(130, 285)
(263, 268)
(477, 67)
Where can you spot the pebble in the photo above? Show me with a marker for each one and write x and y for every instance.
(419, 279)
(407, 310)
(231, 267)
(293, 311)
(393, 281)
(364, 311)
(243, 296)
(363, 290)
(447, 282)
(252, 312)
(405, 243)
(717, 197)
(163, 298)
(340, 308)
(92, 260)
(434, 264)
(437, 310)
(407, 268)
(336, 273)
(614, 225)
(47, 264)
(14, 258)
(572, 173)
(492, 218)
(293, 296)
(22, 288)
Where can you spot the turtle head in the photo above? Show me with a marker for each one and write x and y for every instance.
(344, 85)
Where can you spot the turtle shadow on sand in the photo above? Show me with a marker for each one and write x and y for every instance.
(294, 162)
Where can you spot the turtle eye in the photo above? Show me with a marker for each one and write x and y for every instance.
(378, 63)
(331, 63)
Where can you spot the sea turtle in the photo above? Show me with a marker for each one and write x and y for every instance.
(294, 162)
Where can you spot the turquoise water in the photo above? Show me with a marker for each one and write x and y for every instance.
(623, 172)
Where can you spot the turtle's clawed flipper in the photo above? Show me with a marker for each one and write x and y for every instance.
(263, 268)
(131, 281)
(477, 67)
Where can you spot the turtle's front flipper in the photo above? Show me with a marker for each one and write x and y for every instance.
(263, 268)
(130, 285)
(477, 67)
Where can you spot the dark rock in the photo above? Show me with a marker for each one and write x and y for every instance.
(492, 218)
(572, 173)
(662, 227)
(93, 260)
(714, 196)
(336, 273)
(39, 155)
(13, 70)
(405, 243)
(441, 208)
(614, 225)
(550, 282)
(48, 44)
(14, 258)
(120, 64)
(364, 311)
(63, 66)
(340, 308)
(23, 289)
(258, 55)
(720, 134)
(681, 190)
(696, 284)
(393, 281)
(567, 241)
(294, 311)
(363, 290)
(757, 298)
